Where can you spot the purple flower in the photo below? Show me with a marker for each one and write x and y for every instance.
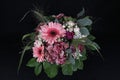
(69, 35)
(73, 49)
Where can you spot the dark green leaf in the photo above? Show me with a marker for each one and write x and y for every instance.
(84, 22)
(80, 64)
(75, 66)
(32, 63)
(67, 69)
(38, 69)
(50, 69)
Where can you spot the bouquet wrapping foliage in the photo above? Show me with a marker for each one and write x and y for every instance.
(59, 41)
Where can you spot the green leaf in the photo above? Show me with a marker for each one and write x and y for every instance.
(32, 63)
(38, 69)
(75, 66)
(96, 47)
(91, 37)
(83, 57)
(50, 69)
(80, 64)
(22, 55)
(93, 46)
(67, 69)
(31, 36)
(37, 14)
(84, 31)
(69, 19)
(81, 13)
(76, 42)
(84, 22)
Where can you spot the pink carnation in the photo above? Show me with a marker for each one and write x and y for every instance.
(51, 32)
(55, 54)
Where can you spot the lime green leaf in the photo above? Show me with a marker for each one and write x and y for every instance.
(84, 22)
(67, 69)
(38, 69)
(50, 69)
(32, 63)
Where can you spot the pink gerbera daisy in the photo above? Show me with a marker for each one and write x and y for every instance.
(38, 52)
(51, 32)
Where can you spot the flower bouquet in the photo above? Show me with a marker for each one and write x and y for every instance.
(59, 42)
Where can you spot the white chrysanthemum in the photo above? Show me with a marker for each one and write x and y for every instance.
(77, 33)
(70, 29)
(70, 24)
(76, 29)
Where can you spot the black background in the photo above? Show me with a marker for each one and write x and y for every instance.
(106, 29)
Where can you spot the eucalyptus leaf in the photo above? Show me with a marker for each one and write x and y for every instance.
(50, 69)
(84, 22)
(71, 59)
(84, 31)
(68, 51)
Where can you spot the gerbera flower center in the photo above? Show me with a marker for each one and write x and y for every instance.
(53, 32)
(39, 51)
